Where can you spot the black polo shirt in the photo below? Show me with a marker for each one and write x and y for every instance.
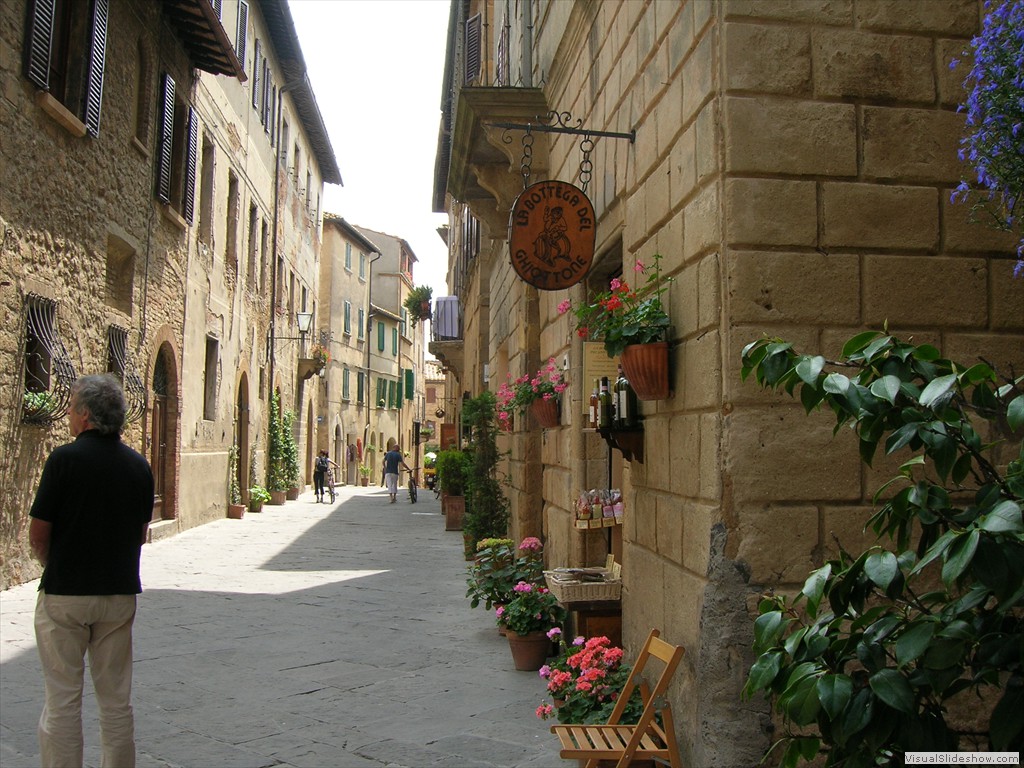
(98, 494)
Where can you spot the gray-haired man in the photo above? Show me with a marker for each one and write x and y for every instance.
(89, 520)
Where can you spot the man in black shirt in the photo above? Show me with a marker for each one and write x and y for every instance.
(89, 521)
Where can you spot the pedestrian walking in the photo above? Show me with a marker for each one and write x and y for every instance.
(88, 523)
(321, 470)
(392, 460)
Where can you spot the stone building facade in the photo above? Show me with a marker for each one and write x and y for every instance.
(346, 264)
(146, 227)
(396, 352)
(792, 165)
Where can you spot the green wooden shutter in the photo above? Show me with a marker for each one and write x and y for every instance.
(410, 383)
(360, 387)
(380, 336)
(348, 318)
(391, 394)
(346, 388)
(394, 341)
(398, 391)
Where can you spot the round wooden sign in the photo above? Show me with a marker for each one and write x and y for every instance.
(551, 235)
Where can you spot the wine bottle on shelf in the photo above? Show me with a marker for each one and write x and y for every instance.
(625, 403)
(605, 407)
(594, 406)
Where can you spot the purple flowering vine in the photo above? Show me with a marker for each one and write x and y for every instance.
(994, 143)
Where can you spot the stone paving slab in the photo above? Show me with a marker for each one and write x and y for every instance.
(309, 635)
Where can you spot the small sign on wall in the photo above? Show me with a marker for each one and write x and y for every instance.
(596, 364)
(552, 235)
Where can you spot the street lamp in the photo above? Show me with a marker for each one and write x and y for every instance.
(304, 320)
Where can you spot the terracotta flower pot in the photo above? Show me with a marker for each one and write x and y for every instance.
(235, 511)
(545, 412)
(529, 652)
(277, 498)
(646, 367)
(454, 507)
(292, 494)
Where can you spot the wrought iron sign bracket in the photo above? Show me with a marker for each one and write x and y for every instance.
(543, 128)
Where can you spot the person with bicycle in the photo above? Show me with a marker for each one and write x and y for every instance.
(320, 471)
(392, 460)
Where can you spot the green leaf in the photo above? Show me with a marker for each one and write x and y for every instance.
(814, 588)
(768, 627)
(858, 342)
(901, 437)
(936, 390)
(1007, 723)
(1015, 413)
(1005, 517)
(809, 367)
(800, 702)
(893, 689)
(875, 346)
(935, 550)
(959, 556)
(763, 672)
(881, 568)
(834, 691)
(912, 643)
(976, 373)
(858, 712)
(962, 468)
(836, 384)
(886, 388)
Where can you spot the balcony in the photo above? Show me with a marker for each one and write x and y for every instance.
(484, 167)
(446, 342)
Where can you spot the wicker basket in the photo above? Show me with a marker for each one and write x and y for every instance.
(583, 591)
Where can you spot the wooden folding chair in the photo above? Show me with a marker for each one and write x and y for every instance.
(647, 738)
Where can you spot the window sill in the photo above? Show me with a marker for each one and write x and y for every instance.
(60, 114)
(173, 216)
(139, 147)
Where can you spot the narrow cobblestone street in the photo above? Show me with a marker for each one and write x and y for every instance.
(306, 635)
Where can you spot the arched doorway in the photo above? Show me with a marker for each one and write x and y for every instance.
(163, 429)
(242, 436)
(337, 453)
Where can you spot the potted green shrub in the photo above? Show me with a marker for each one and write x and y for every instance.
(235, 506)
(364, 474)
(417, 302)
(292, 472)
(487, 509)
(452, 475)
(277, 479)
(258, 496)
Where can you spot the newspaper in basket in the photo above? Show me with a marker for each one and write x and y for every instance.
(575, 585)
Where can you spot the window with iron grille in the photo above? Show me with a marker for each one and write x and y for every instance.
(49, 372)
(120, 364)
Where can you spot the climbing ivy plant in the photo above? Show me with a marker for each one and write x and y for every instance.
(863, 661)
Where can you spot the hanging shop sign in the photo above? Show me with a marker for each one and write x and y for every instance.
(552, 235)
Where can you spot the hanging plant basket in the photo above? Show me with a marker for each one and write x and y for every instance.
(646, 367)
(545, 412)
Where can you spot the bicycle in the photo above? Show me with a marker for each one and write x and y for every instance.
(412, 486)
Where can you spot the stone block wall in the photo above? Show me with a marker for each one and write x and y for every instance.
(792, 164)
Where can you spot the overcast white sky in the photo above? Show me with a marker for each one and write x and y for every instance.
(376, 68)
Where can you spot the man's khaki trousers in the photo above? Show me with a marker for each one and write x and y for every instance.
(68, 627)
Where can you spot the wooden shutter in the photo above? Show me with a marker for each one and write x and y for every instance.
(257, 80)
(241, 31)
(188, 199)
(165, 141)
(380, 336)
(391, 394)
(360, 386)
(472, 58)
(398, 390)
(217, 6)
(97, 57)
(410, 382)
(39, 40)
